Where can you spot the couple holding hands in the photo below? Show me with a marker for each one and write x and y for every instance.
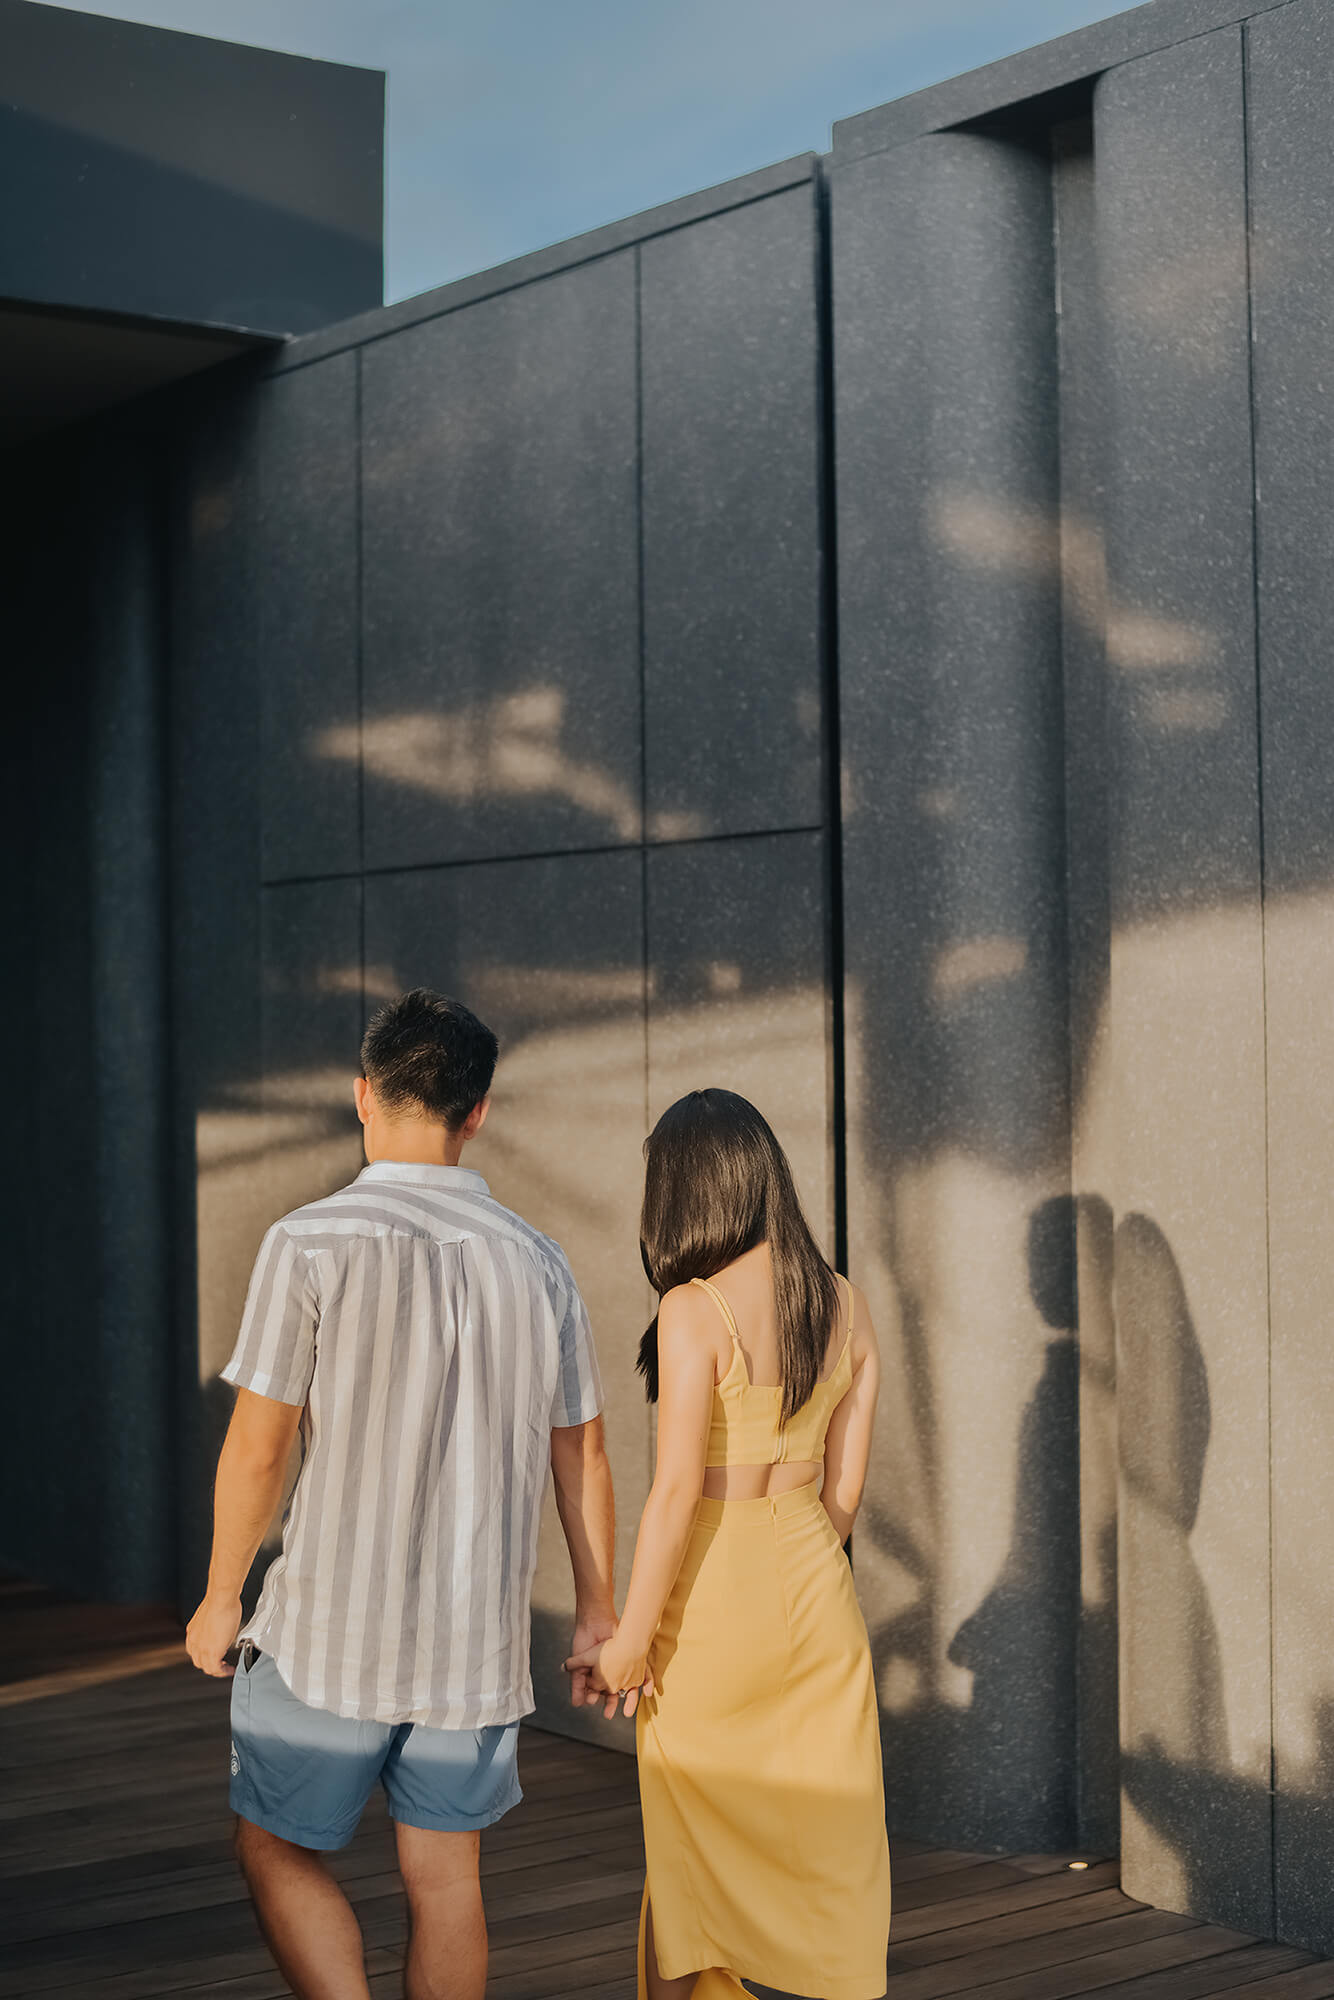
(432, 1355)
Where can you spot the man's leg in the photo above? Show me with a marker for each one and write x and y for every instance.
(447, 1954)
(307, 1921)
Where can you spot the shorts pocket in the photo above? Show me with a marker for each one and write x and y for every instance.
(240, 1692)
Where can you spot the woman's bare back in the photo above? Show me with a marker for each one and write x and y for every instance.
(747, 1285)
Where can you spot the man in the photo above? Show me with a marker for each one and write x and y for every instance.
(434, 1354)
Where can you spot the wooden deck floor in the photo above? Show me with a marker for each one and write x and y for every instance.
(119, 1882)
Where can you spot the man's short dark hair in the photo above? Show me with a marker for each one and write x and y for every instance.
(426, 1054)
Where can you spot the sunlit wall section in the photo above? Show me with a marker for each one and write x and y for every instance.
(967, 1553)
(1185, 1047)
(1290, 76)
(738, 996)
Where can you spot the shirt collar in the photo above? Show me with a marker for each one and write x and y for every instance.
(420, 1173)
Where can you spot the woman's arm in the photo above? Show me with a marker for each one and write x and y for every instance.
(847, 1448)
(687, 1371)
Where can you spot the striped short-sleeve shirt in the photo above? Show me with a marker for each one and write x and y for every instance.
(434, 1340)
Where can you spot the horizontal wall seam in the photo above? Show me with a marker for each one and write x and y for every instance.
(541, 854)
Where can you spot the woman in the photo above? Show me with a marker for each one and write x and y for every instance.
(758, 1738)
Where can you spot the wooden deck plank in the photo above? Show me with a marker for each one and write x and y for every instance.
(1234, 1972)
(115, 1848)
(1015, 1926)
(976, 1969)
(1313, 1982)
(1027, 1893)
(936, 1861)
(1115, 1967)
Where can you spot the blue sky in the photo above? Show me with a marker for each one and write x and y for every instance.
(515, 123)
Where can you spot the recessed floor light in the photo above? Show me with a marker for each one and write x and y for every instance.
(1078, 1864)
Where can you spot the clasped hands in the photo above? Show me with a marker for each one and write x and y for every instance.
(603, 1669)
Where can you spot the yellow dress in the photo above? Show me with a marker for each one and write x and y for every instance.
(760, 1770)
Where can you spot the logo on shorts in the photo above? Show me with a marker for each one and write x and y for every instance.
(236, 1763)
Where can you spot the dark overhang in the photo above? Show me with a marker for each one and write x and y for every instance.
(58, 364)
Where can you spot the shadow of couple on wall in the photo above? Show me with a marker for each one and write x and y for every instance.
(1201, 1827)
(1030, 1758)
(1205, 1833)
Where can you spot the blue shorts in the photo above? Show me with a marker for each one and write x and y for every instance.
(306, 1774)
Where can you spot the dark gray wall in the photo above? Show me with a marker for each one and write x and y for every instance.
(165, 174)
(499, 664)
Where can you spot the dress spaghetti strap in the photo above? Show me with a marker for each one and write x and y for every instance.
(851, 1303)
(721, 1304)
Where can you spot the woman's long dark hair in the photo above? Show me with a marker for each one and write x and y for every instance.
(717, 1182)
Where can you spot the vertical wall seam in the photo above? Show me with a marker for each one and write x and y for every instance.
(827, 556)
(1063, 149)
(164, 509)
(643, 733)
(358, 604)
(640, 643)
(1248, 252)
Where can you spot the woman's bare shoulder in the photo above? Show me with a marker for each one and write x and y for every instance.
(688, 1311)
(689, 1323)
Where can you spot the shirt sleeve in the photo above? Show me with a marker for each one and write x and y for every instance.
(275, 1349)
(578, 1396)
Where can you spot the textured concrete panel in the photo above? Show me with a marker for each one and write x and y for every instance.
(731, 471)
(967, 1556)
(1291, 72)
(122, 578)
(501, 652)
(306, 618)
(214, 906)
(310, 1039)
(1185, 1048)
(550, 953)
(737, 942)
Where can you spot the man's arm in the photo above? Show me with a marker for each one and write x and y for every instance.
(687, 1371)
(587, 1509)
(246, 1493)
